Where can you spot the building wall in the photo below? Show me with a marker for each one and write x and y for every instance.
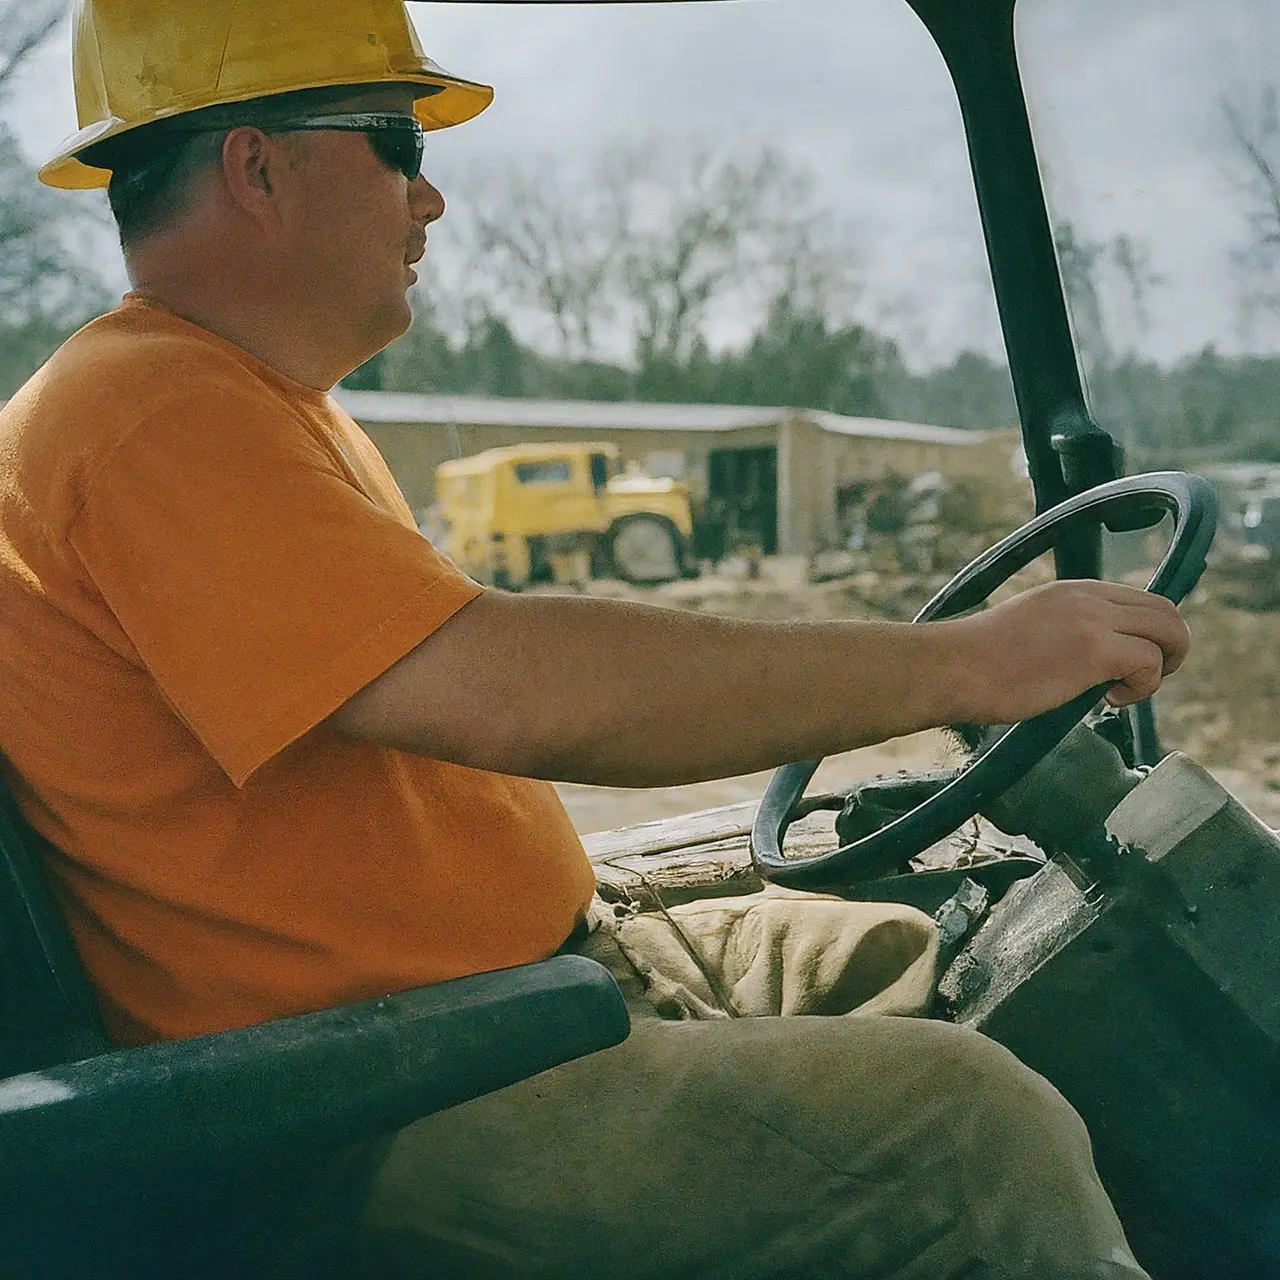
(850, 459)
(806, 490)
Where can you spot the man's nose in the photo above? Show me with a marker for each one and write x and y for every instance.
(428, 203)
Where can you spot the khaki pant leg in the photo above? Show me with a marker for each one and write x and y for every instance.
(757, 1149)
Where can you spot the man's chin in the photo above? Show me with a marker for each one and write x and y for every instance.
(403, 317)
(394, 323)
(379, 338)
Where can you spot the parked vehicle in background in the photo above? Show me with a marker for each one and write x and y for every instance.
(1247, 552)
(562, 513)
(1262, 523)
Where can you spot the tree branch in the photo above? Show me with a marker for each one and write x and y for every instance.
(1254, 131)
(24, 26)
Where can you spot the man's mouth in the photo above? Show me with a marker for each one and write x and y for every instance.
(417, 248)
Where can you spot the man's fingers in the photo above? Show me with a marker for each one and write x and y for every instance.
(1147, 616)
(1161, 624)
(1139, 669)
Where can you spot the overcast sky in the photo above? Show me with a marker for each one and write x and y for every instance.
(1124, 96)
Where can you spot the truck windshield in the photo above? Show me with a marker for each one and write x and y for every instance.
(550, 471)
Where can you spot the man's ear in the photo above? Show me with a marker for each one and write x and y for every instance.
(253, 164)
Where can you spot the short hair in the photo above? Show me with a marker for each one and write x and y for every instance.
(154, 167)
(151, 186)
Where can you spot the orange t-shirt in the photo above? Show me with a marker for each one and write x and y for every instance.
(200, 560)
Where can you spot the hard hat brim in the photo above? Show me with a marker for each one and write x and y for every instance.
(454, 102)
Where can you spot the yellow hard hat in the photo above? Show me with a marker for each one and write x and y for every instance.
(139, 61)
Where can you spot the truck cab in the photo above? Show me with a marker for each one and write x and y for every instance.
(525, 514)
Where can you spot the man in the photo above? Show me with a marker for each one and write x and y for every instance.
(285, 749)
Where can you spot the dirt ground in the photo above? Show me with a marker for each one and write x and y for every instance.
(1222, 709)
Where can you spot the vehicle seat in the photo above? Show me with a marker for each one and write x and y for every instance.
(244, 1154)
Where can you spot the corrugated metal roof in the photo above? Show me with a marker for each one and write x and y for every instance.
(887, 429)
(601, 415)
(575, 415)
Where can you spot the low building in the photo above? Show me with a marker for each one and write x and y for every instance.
(783, 466)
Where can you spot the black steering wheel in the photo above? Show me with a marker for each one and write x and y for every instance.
(1135, 502)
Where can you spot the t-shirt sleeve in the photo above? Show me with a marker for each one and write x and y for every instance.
(257, 582)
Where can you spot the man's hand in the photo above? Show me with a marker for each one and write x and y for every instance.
(1039, 649)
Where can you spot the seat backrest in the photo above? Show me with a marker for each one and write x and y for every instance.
(47, 1010)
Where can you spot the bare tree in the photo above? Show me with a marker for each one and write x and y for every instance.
(33, 260)
(1131, 258)
(24, 26)
(1081, 263)
(1252, 122)
(644, 249)
(1108, 284)
(547, 246)
(687, 240)
(708, 232)
(45, 286)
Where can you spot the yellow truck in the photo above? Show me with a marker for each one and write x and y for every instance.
(561, 513)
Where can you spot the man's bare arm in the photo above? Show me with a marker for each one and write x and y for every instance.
(601, 691)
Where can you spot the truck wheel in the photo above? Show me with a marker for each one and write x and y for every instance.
(646, 549)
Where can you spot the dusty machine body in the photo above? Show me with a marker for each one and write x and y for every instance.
(523, 514)
(1108, 911)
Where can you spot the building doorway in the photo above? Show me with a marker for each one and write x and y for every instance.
(742, 491)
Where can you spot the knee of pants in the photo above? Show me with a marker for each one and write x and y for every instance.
(994, 1091)
(1027, 1164)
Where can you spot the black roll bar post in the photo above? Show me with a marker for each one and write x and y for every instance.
(1067, 452)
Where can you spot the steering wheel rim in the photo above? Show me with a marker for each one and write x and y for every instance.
(1132, 502)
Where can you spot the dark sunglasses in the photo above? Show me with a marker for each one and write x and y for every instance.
(396, 140)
